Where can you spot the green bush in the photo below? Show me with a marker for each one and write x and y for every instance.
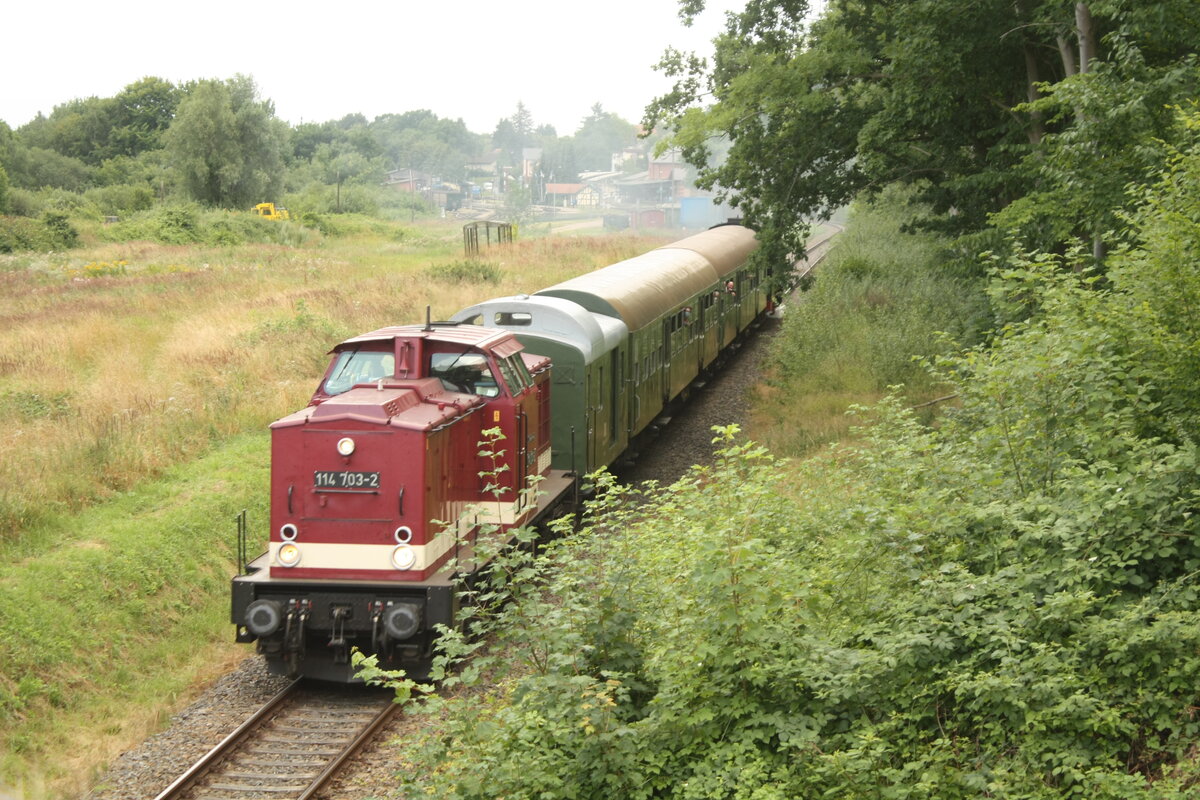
(24, 202)
(60, 230)
(175, 224)
(1006, 605)
(465, 272)
(190, 224)
(22, 233)
(121, 199)
(36, 202)
(52, 232)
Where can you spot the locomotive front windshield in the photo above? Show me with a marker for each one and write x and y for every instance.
(467, 372)
(358, 366)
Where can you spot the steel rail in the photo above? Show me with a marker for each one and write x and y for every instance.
(335, 765)
(227, 745)
(296, 721)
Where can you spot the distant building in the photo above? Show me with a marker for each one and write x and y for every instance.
(588, 196)
(482, 167)
(434, 191)
(408, 180)
(530, 156)
(604, 185)
(571, 194)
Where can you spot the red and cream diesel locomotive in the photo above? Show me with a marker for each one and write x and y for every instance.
(388, 447)
(379, 487)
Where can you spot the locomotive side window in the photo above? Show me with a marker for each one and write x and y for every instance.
(465, 372)
(358, 366)
(511, 377)
(518, 365)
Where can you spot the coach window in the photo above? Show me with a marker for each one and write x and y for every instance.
(510, 318)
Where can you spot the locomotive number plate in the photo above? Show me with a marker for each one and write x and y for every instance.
(323, 479)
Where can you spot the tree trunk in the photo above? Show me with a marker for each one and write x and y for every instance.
(1087, 37)
(1068, 57)
(1036, 128)
(1087, 54)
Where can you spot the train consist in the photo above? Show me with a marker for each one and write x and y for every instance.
(379, 488)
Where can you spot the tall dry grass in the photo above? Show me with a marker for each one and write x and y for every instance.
(108, 376)
(882, 302)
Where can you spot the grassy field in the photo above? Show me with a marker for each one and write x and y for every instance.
(136, 383)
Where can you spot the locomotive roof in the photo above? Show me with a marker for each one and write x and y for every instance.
(472, 335)
(550, 318)
(641, 289)
(421, 404)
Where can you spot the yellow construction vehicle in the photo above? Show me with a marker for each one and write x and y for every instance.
(271, 211)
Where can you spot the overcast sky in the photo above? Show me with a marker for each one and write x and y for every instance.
(468, 59)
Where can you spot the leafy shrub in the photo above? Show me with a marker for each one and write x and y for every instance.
(22, 233)
(24, 202)
(176, 224)
(52, 232)
(121, 199)
(318, 222)
(465, 272)
(190, 224)
(1007, 605)
(60, 230)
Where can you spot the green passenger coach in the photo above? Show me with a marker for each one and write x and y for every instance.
(628, 339)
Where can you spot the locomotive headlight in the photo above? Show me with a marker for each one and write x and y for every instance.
(345, 446)
(403, 557)
(289, 555)
(288, 532)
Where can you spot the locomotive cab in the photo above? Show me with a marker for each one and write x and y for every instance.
(388, 446)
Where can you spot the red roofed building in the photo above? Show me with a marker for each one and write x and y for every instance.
(571, 194)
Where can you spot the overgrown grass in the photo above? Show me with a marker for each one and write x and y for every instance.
(112, 374)
(880, 304)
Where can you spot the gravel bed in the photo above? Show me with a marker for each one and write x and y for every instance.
(723, 400)
(145, 771)
(149, 768)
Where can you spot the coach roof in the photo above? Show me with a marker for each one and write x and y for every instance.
(639, 290)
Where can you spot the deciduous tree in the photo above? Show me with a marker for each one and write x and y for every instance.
(226, 144)
(976, 105)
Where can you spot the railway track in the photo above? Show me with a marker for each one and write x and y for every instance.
(815, 251)
(290, 748)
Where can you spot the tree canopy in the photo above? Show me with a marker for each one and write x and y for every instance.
(227, 144)
(978, 105)
(219, 143)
